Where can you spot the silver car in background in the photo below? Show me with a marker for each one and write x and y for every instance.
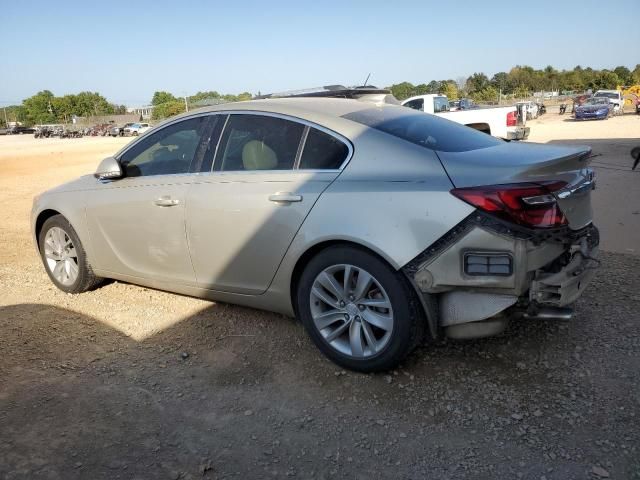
(377, 226)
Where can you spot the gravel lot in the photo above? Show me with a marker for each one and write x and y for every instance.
(132, 383)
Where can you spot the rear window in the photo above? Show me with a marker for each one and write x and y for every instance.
(440, 104)
(426, 130)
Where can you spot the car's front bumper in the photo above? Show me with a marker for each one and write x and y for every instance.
(591, 116)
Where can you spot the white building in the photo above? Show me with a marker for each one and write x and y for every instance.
(145, 111)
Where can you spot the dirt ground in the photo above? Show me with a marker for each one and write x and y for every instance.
(126, 382)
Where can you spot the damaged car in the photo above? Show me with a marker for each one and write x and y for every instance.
(377, 226)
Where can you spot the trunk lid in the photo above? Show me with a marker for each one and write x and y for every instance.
(512, 162)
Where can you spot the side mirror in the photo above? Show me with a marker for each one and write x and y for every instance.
(109, 169)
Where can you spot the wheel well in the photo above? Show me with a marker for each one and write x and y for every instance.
(482, 127)
(43, 217)
(312, 252)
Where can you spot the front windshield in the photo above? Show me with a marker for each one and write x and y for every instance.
(597, 101)
(606, 95)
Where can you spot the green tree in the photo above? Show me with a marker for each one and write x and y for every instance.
(501, 81)
(450, 89)
(38, 108)
(476, 82)
(624, 74)
(433, 86)
(168, 109)
(402, 90)
(487, 94)
(604, 80)
(162, 97)
(635, 75)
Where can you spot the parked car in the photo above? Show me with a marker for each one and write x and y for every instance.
(376, 225)
(615, 97)
(20, 130)
(501, 122)
(4, 131)
(116, 131)
(136, 129)
(598, 108)
(531, 109)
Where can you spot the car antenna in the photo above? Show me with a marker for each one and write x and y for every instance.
(365, 82)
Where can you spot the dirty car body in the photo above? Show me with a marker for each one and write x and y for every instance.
(377, 225)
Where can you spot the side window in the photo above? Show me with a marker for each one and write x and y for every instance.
(322, 151)
(258, 142)
(167, 151)
(417, 104)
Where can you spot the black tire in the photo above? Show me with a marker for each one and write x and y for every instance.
(408, 319)
(86, 279)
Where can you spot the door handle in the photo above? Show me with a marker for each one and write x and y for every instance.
(166, 202)
(285, 197)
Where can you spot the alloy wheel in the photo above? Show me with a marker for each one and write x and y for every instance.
(351, 310)
(61, 256)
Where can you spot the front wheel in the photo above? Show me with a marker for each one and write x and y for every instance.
(64, 257)
(358, 311)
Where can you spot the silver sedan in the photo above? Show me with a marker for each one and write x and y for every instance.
(377, 226)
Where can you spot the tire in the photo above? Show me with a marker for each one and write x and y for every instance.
(63, 234)
(336, 328)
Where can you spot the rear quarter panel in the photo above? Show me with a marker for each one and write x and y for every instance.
(393, 198)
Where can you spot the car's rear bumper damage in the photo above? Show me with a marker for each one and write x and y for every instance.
(484, 267)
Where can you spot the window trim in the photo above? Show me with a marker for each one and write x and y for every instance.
(303, 139)
(301, 145)
(228, 114)
(162, 126)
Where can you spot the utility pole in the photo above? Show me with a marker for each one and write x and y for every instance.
(6, 122)
(186, 104)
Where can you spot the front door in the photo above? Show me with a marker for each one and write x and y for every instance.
(137, 223)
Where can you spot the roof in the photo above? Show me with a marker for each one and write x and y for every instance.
(317, 110)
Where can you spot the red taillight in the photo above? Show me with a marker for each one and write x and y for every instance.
(528, 204)
(512, 119)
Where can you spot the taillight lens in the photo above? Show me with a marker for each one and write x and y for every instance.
(528, 204)
(512, 119)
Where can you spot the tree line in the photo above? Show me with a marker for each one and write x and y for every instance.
(166, 104)
(521, 81)
(44, 107)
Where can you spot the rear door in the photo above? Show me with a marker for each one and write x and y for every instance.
(268, 172)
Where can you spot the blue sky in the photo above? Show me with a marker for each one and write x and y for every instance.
(128, 49)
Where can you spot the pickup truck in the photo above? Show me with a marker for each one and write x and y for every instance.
(501, 122)
(615, 97)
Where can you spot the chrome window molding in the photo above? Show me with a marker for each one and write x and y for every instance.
(228, 113)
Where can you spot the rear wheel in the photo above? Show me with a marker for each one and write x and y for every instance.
(358, 311)
(64, 257)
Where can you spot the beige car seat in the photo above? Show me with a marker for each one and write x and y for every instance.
(258, 156)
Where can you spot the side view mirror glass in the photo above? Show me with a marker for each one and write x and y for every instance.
(109, 169)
